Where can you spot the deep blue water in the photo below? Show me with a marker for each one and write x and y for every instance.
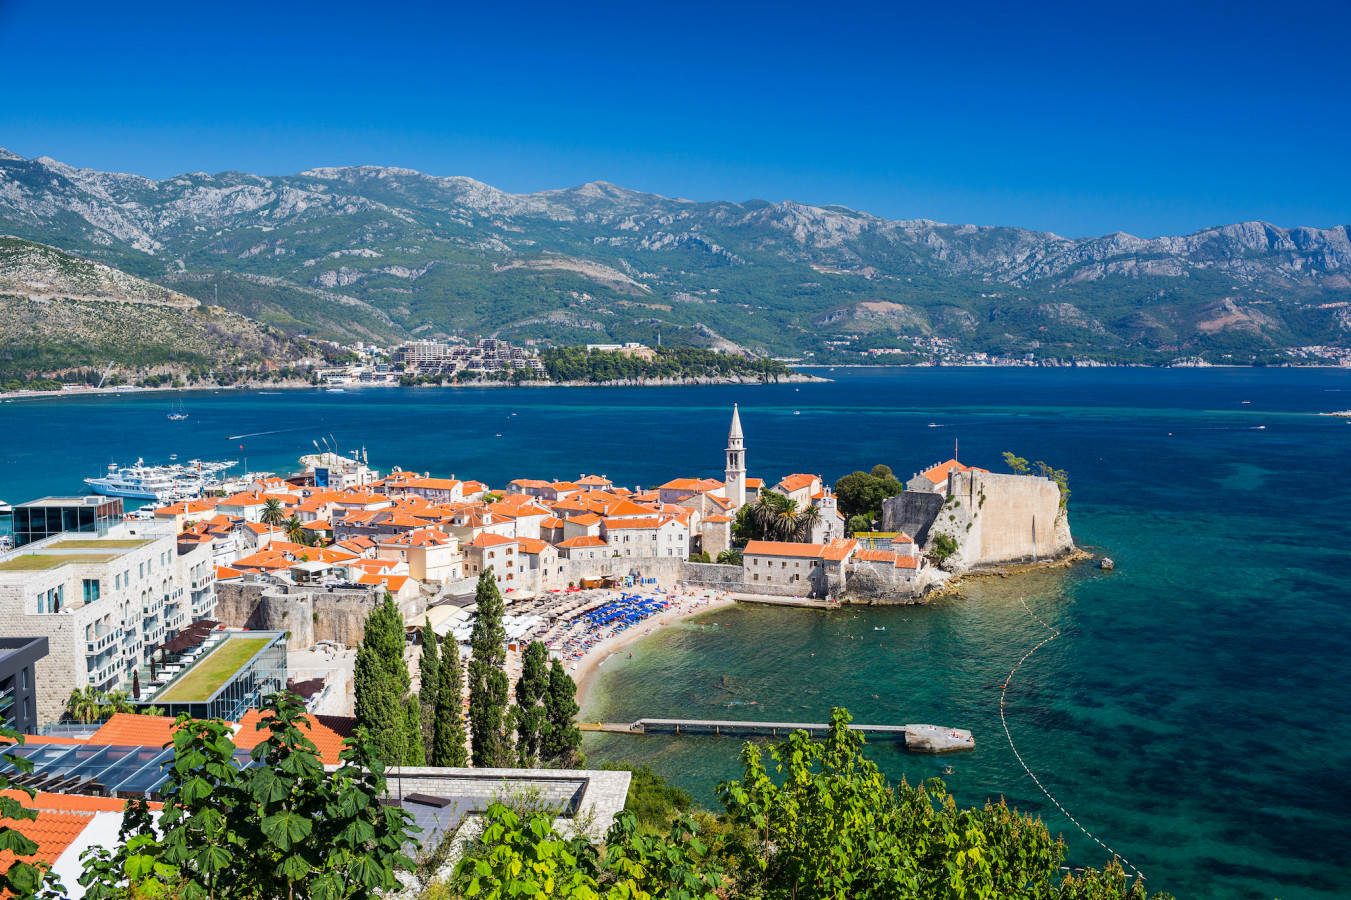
(1191, 714)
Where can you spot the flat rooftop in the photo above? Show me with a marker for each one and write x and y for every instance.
(40, 562)
(99, 544)
(83, 500)
(213, 671)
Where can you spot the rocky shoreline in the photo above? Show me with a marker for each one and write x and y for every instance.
(952, 587)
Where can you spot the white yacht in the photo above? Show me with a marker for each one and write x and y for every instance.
(162, 483)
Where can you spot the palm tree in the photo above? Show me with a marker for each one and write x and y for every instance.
(85, 704)
(764, 512)
(117, 702)
(730, 557)
(806, 521)
(295, 530)
(273, 514)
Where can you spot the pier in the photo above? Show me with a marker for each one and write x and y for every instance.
(917, 738)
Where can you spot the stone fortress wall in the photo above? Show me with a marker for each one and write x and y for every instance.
(997, 519)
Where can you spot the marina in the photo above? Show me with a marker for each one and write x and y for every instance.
(176, 481)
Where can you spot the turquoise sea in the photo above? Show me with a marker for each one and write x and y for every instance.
(1192, 714)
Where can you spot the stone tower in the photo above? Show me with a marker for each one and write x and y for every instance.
(735, 476)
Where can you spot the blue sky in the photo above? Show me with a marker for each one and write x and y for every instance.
(1078, 118)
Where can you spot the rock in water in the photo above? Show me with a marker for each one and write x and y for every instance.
(1106, 564)
(934, 739)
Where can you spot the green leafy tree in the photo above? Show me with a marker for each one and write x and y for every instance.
(858, 524)
(381, 681)
(295, 530)
(1016, 463)
(532, 690)
(832, 827)
(448, 741)
(273, 514)
(862, 493)
(562, 740)
(429, 688)
(488, 683)
(700, 557)
(1061, 479)
(23, 878)
(730, 557)
(281, 830)
(520, 855)
(652, 800)
(943, 547)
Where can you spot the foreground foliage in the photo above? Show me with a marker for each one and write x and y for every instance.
(814, 821)
(281, 829)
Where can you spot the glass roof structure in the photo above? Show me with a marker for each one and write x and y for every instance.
(118, 771)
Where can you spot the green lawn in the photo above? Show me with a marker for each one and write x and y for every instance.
(127, 544)
(209, 674)
(36, 562)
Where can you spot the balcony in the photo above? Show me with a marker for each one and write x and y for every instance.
(204, 606)
(204, 582)
(153, 607)
(103, 673)
(104, 641)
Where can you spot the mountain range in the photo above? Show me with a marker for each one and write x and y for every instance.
(384, 254)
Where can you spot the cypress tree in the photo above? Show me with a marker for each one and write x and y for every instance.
(429, 691)
(561, 739)
(447, 747)
(489, 686)
(530, 718)
(380, 681)
(413, 754)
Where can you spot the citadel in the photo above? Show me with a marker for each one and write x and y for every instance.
(308, 556)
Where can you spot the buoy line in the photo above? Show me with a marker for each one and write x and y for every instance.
(1055, 633)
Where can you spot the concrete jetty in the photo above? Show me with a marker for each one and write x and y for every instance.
(917, 738)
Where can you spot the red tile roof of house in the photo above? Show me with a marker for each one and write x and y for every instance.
(717, 518)
(491, 540)
(53, 831)
(130, 729)
(392, 583)
(530, 483)
(585, 519)
(650, 522)
(70, 802)
(939, 473)
(425, 537)
(796, 482)
(585, 540)
(327, 733)
(551, 522)
(834, 551)
(531, 545)
(698, 485)
(755, 482)
(589, 480)
(225, 573)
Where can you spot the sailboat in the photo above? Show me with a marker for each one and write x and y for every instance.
(179, 414)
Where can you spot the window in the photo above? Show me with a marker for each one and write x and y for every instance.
(117, 582)
(91, 590)
(140, 570)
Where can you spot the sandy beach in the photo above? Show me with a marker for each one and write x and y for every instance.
(687, 602)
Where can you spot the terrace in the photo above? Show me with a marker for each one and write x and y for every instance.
(218, 674)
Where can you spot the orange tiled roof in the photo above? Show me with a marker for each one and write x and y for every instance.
(135, 730)
(907, 562)
(551, 522)
(53, 831)
(565, 486)
(392, 582)
(491, 540)
(327, 733)
(585, 519)
(755, 482)
(797, 482)
(224, 572)
(531, 545)
(651, 522)
(590, 480)
(697, 485)
(586, 540)
(835, 551)
(70, 802)
(939, 473)
(716, 517)
(530, 483)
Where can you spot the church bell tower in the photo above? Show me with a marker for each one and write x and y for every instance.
(735, 475)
